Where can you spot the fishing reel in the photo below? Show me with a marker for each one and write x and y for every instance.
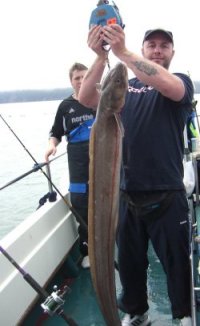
(55, 300)
(105, 14)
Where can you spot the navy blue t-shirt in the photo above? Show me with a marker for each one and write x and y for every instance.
(70, 116)
(73, 120)
(153, 141)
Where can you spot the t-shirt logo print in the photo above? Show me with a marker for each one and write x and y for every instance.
(71, 110)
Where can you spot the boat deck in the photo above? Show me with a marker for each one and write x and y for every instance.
(82, 307)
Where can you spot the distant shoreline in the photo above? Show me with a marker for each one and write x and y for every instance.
(33, 95)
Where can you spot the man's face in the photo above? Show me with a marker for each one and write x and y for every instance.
(77, 78)
(158, 48)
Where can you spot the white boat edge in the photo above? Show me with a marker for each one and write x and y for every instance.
(34, 245)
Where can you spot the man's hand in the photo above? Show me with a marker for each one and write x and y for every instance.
(50, 151)
(114, 35)
(95, 39)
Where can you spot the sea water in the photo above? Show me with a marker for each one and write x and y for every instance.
(31, 123)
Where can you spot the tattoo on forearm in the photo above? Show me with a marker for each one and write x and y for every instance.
(145, 67)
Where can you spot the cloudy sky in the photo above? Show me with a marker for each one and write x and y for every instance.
(41, 39)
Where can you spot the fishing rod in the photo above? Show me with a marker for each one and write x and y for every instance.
(34, 169)
(194, 106)
(76, 214)
(52, 303)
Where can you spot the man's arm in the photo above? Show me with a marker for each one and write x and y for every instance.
(56, 133)
(89, 94)
(150, 73)
(51, 150)
(153, 74)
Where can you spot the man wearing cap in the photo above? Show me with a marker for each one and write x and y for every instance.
(153, 203)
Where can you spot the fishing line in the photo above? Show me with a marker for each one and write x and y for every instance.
(76, 214)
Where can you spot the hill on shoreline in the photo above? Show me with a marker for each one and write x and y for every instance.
(32, 95)
(197, 87)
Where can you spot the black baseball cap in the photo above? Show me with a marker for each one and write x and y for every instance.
(158, 30)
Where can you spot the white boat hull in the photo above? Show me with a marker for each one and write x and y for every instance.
(38, 245)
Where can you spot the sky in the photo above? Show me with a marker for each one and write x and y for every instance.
(41, 39)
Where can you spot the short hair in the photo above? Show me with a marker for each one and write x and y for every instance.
(76, 66)
(168, 34)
